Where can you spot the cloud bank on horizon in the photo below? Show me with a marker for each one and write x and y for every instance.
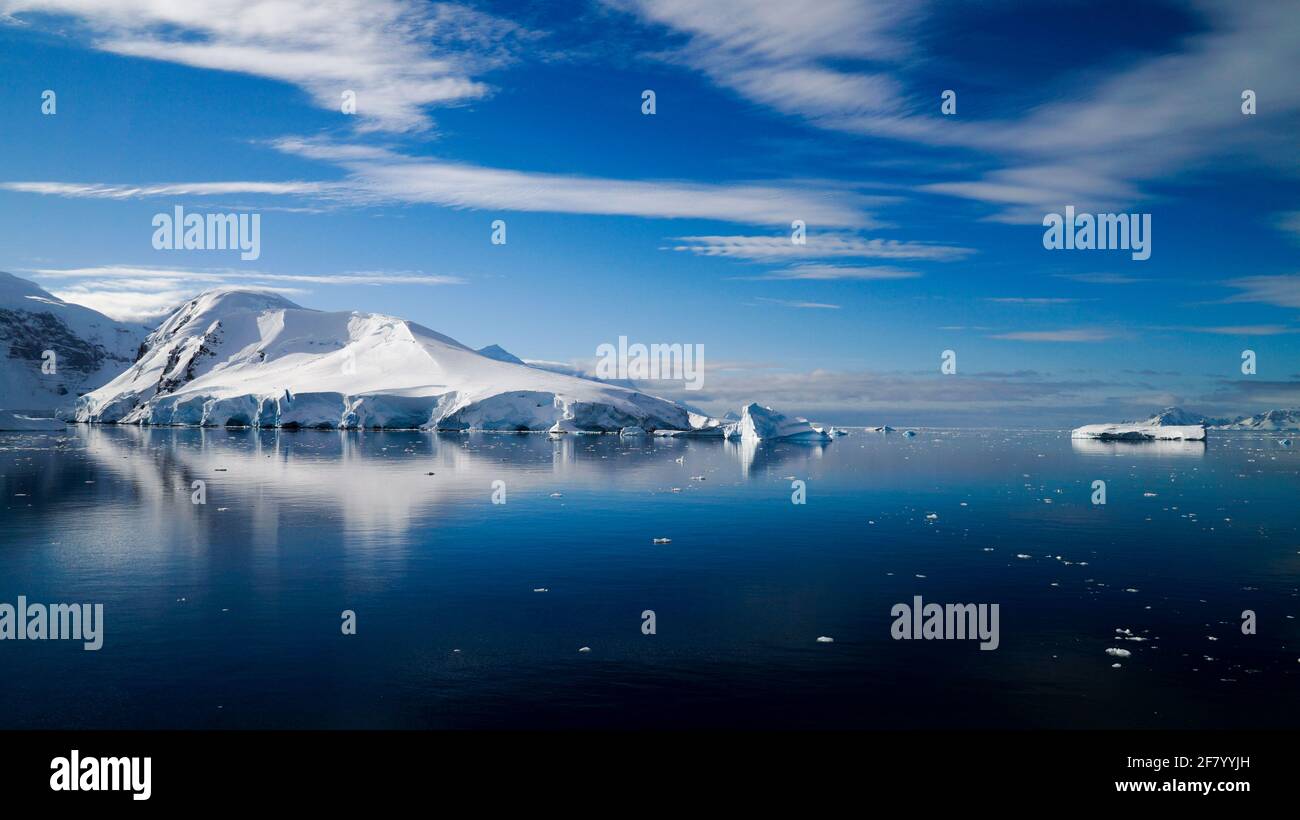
(497, 171)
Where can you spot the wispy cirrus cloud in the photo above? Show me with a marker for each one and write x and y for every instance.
(385, 175)
(378, 175)
(817, 246)
(796, 303)
(848, 65)
(90, 190)
(1101, 278)
(1244, 330)
(138, 293)
(827, 273)
(1282, 290)
(398, 56)
(1032, 300)
(1289, 222)
(1067, 335)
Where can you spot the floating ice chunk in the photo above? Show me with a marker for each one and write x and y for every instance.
(585, 649)
(825, 639)
(909, 433)
(1119, 653)
(542, 589)
(662, 541)
(20, 423)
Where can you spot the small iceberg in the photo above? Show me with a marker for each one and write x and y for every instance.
(759, 423)
(17, 422)
(884, 428)
(909, 434)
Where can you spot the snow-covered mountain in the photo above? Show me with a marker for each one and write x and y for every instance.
(500, 354)
(1178, 417)
(1270, 420)
(246, 357)
(89, 348)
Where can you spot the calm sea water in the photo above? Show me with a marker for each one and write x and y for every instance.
(227, 614)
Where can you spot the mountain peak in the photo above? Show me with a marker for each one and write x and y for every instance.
(500, 354)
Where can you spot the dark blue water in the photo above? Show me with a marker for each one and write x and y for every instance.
(228, 614)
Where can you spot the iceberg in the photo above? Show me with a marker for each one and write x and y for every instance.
(16, 422)
(759, 423)
(1140, 432)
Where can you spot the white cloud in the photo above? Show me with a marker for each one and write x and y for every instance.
(384, 175)
(1101, 278)
(89, 190)
(817, 246)
(1246, 330)
(1077, 335)
(398, 56)
(785, 57)
(1032, 300)
(820, 272)
(1093, 146)
(1290, 223)
(795, 303)
(1282, 290)
(377, 175)
(139, 293)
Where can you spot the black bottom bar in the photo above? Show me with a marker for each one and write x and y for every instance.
(534, 770)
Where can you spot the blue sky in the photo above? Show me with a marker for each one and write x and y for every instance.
(924, 230)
